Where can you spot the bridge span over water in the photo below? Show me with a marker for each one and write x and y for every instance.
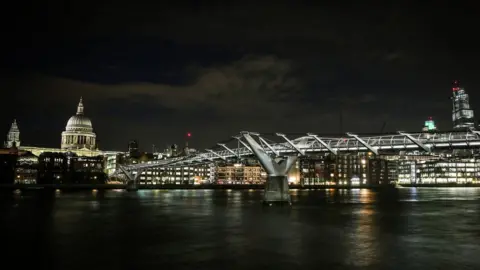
(277, 152)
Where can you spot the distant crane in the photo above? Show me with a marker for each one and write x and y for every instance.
(341, 120)
(383, 126)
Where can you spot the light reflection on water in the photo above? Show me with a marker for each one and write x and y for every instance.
(418, 228)
(364, 248)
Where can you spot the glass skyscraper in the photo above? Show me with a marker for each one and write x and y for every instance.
(462, 115)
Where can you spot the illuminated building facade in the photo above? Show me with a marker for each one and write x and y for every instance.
(26, 169)
(462, 114)
(351, 170)
(188, 175)
(457, 171)
(52, 168)
(61, 168)
(407, 172)
(435, 170)
(317, 170)
(86, 170)
(240, 173)
(382, 171)
(113, 161)
(79, 133)
(348, 170)
(179, 175)
(429, 125)
(37, 151)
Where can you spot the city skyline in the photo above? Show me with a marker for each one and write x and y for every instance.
(462, 104)
(155, 79)
(240, 134)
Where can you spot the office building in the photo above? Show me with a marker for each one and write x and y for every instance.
(240, 173)
(462, 114)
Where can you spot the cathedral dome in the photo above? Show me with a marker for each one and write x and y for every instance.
(79, 133)
(79, 122)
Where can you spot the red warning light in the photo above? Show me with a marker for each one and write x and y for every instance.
(189, 134)
(456, 85)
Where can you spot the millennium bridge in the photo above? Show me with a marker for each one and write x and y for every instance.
(277, 152)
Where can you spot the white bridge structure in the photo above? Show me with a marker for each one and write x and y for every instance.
(278, 155)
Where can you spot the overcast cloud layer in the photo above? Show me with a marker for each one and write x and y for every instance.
(153, 73)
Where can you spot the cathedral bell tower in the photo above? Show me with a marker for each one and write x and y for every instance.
(13, 136)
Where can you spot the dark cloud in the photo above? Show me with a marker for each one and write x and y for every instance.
(258, 82)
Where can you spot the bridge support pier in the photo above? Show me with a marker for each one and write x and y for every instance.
(132, 180)
(276, 190)
(276, 186)
(132, 185)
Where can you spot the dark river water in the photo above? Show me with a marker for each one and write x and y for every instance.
(422, 228)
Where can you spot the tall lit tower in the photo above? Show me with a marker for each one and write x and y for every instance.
(13, 137)
(462, 115)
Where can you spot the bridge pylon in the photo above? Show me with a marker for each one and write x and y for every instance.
(276, 186)
(132, 180)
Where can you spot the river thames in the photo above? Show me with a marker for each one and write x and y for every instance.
(407, 228)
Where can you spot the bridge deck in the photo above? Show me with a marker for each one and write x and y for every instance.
(314, 144)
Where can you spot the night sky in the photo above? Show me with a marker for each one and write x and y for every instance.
(155, 72)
